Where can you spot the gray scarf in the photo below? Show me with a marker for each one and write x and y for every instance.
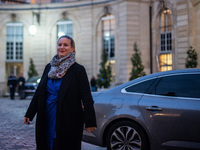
(60, 66)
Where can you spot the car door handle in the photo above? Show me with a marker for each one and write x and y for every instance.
(154, 108)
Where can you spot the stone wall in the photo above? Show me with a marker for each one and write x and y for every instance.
(131, 25)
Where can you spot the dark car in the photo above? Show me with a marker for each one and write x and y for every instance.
(31, 85)
(154, 112)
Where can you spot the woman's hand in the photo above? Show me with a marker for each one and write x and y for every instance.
(26, 120)
(90, 129)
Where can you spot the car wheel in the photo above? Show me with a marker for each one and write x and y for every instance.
(126, 135)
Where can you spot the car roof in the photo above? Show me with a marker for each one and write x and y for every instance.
(153, 75)
(33, 79)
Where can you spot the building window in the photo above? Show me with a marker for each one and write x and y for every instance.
(14, 42)
(108, 24)
(165, 62)
(65, 27)
(165, 41)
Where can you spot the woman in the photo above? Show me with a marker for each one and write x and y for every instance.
(62, 101)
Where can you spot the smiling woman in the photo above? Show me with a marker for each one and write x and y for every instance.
(65, 46)
(59, 99)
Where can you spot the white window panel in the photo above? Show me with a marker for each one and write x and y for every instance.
(108, 24)
(65, 27)
(14, 42)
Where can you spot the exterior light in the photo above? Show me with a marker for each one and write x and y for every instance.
(107, 34)
(32, 29)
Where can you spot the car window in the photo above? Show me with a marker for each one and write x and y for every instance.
(33, 79)
(141, 87)
(187, 85)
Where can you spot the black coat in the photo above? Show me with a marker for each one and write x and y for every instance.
(12, 81)
(70, 117)
(21, 83)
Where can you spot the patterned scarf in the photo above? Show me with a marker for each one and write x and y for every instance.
(60, 66)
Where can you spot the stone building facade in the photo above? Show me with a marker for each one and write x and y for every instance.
(163, 30)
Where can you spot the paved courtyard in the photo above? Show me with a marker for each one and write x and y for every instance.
(14, 134)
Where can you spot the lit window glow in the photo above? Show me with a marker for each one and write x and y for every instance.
(165, 62)
(165, 58)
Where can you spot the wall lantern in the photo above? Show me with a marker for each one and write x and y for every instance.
(32, 28)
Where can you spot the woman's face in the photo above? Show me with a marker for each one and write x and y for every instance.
(64, 47)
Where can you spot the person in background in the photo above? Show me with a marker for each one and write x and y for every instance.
(20, 83)
(62, 101)
(12, 83)
(93, 84)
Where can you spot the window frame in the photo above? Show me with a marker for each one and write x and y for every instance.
(162, 76)
(123, 90)
(15, 42)
(166, 42)
(165, 65)
(154, 84)
(67, 30)
(109, 34)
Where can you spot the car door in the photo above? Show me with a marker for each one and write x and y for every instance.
(172, 108)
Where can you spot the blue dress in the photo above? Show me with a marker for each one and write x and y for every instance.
(53, 86)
